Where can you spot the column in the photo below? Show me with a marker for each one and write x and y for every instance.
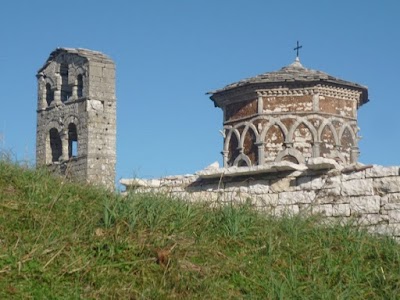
(261, 155)
(260, 105)
(42, 104)
(65, 145)
(316, 149)
(225, 157)
(74, 91)
(354, 153)
(316, 102)
(57, 91)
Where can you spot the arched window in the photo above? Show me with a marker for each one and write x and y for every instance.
(233, 149)
(242, 163)
(49, 94)
(290, 158)
(80, 86)
(65, 88)
(72, 141)
(55, 145)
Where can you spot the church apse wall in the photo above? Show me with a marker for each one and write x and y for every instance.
(293, 114)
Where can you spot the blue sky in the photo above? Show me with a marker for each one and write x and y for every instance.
(170, 53)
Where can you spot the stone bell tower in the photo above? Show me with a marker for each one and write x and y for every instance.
(292, 114)
(76, 116)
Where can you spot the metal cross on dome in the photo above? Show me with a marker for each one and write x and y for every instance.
(297, 49)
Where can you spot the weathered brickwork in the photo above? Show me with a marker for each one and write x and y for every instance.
(365, 196)
(293, 114)
(76, 116)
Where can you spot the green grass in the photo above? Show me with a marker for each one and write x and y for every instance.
(69, 241)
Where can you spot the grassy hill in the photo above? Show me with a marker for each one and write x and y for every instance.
(71, 241)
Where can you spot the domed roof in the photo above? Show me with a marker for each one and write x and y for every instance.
(295, 73)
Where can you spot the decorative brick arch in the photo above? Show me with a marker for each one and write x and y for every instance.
(242, 157)
(328, 124)
(307, 124)
(232, 150)
(344, 127)
(229, 135)
(291, 152)
(248, 143)
(248, 126)
(272, 122)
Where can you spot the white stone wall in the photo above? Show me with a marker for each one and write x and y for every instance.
(366, 196)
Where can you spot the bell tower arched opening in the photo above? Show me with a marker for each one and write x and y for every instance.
(72, 141)
(55, 145)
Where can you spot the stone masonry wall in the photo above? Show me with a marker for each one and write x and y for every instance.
(76, 116)
(366, 196)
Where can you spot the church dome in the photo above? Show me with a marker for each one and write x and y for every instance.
(295, 73)
(293, 114)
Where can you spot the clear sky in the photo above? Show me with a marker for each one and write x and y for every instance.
(170, 53)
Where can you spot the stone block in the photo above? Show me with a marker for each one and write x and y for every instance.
(394, 216)
(309, 183)
(365, 205)
(383, 229)
(258, 187)
(321, 163)
(341, 210)
(304, 183)
(391, 206)
(372, 219)
(354, 175)
(244, 197)
(297, 197)
(265, 200)
(238, 189)
(380, 171)
(233, 186)
(387, 184)
(329, 195)
(281, 185)
(210, 187)
(333, 180)
(357, 187)
(318, 183)
(305, 209)
(394, 229)
(324, 209)
(286, 210)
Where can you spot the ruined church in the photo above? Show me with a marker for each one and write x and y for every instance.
(292, 114)
(290, 142)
